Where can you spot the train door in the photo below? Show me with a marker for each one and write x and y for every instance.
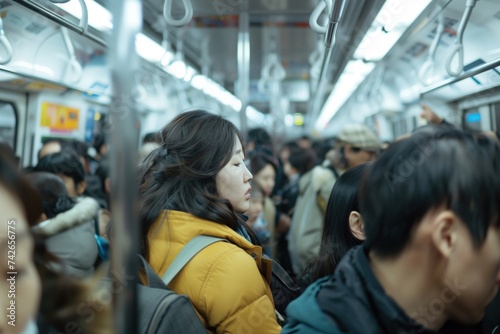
(13, 121)
(495, 117)
(478, 118)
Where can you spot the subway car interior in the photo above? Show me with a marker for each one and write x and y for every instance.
(108, 73)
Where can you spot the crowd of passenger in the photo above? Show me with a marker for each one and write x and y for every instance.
(375, 237)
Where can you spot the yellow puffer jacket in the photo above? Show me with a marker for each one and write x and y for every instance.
(227, 282)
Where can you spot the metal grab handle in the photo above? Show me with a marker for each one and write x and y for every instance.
(428, 66)
(84, 20)
(459, 46)
(313, 20)
(73, 62)
(6, 44)
(188, 13)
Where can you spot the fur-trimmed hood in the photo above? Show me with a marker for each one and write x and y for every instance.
(85, 210)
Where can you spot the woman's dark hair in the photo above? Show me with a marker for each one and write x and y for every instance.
(303, 160)
(261, 138)
(337, 237)
(65, 162)
(55, 199)
(181, 173)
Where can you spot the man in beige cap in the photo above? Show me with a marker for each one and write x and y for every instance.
(356, 144)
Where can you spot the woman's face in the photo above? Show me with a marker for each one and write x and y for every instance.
(20, 286)
(233, 180)
(266, 179)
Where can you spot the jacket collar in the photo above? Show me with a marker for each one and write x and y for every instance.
(83, 211)
(355, 267)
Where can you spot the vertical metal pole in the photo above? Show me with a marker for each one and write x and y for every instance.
(124, 63)
(244, 67)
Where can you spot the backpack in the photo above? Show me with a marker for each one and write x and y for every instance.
(162, 310)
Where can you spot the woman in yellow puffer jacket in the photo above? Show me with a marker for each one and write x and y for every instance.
(196, 183)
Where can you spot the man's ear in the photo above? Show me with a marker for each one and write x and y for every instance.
(445, 232)
(80, 189)
(356, 225)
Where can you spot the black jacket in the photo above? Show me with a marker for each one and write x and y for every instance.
(353, 301)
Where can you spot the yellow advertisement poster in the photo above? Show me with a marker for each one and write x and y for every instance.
(58, 117)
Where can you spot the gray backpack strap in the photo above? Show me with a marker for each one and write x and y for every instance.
(187, 253)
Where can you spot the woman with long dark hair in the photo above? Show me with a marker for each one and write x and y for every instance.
(196, 183)
(342, 228)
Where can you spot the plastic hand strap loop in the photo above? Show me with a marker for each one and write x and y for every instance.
(313, 20)
(72, 61)
(6, 44)
(458, 49)
(188, 13)
(459, 46)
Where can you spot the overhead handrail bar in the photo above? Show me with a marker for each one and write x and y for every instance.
(188, 13)
(84, 20)
(124, 65)
(428, 65)
(334, 18)
(475, 71)
(315, 60)
(315, 15)
(73, 62)
(38, 8)
(458, 49)
(6, 44)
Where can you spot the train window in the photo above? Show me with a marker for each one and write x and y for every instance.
(8, 124)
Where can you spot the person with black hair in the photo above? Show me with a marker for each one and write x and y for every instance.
(18, 208)
(432, 249)
(151, 137)
(40, 285)
(287, 149)
(263, 167)
(259, 139)
(67, 225)
(196, 183)
(356, 144)
(100, 146)
(51, 145)
(343, 226)
(67, 165)
(300, 162)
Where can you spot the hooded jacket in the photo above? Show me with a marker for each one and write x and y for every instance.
(352, 301)
(227, 282)
(70, 237)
